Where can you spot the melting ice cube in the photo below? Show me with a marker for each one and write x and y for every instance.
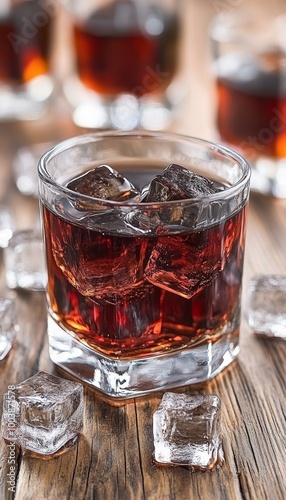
(8, 325)
(175, 183)
(25, 167)
(99, 265)
(183, 264)
(186, 264)
(24, 261)
(178, 183)
(267, 305)
(105, 183)
(187, 431)
(43, 413)
(6, 225)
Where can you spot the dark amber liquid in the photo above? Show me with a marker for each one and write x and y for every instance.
(25, 35)
(252, 111)
(104, 286)
(116, 56)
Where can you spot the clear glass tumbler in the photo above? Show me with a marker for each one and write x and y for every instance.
(143, 296)
(249, 56)
(127, 63)
(26, 32)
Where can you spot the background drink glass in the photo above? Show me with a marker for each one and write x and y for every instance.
(127, 56)
(249, 53)
(26, 85)
(143, 296)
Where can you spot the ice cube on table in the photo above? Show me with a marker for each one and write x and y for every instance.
(187, 431)
(267, 305)
(6, 225)
(24, 261)
(177, 183)
(8, 325)
(43, 414)
(105, 183)
(25, 167)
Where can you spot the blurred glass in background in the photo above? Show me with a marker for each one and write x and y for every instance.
(26, 34)
(249, 56)
(127, 63)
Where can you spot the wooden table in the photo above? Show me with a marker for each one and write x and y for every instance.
(113, 456)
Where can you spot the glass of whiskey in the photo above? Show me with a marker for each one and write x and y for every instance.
(26, 83)
(128, 60)
(144, 241)
(249, 61)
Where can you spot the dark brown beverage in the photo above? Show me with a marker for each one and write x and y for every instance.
(144, 237)
(128, 295)
(127, 48)
(252, 110)
(25, 33)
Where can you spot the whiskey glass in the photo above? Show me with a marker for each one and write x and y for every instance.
(249, 63)
(26, 32)
(143, 296)
(127, 70)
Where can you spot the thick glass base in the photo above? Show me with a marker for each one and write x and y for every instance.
(123, 111)
(26, 102)
(269, 177)
(128, 378)
(268, 174)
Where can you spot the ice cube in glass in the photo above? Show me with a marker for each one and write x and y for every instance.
(24, 261)
(267, 305)
(43, 413)
(185, 264)
(178, 183)
(8, 325)
(105, 183)
(187, 431)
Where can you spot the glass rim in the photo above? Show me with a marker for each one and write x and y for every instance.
(67, 144)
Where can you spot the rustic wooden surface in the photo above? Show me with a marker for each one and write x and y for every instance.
(113, 457)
